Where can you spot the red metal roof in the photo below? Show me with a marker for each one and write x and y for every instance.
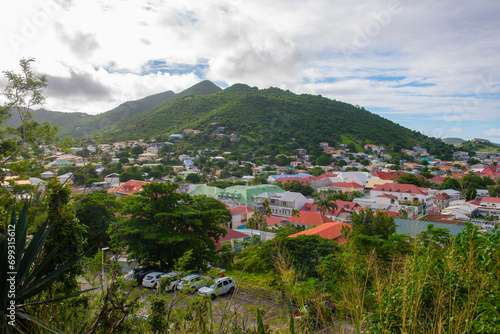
(130, 187)
(399, 188)
(490, 200)
(342, 206)
(231, 234)
(309, 218)
(240, 210)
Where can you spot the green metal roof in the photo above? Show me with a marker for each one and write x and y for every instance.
(244, 194)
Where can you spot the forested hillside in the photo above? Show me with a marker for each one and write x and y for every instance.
(271, 117)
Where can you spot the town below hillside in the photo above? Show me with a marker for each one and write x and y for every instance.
(409, 184)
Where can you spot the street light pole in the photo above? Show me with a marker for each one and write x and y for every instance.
(102, 274)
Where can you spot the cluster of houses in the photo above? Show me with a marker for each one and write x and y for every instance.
(379, 193)
(374, 187)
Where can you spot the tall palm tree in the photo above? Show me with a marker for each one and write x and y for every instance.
(323, 204)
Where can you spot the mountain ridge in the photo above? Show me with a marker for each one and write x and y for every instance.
(256, 118)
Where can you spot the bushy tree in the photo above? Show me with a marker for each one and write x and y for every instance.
(67, 235)
(96, 211)
(373, 224)
(162, 224)
(131, 173)
(193, 178)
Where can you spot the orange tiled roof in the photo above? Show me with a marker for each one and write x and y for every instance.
(328, 231)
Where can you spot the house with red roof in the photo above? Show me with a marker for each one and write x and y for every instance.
(273, 220)
(442, 200)
(328, 231)
(240, 216)
(305, 180)
(438, 179)
(388, 175)
(407, 196)
(490, 206)
(306, 219)
(342, 213)
(129, 188)
(492, 169)
(232, 236)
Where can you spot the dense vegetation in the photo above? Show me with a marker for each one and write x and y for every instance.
(271, 119)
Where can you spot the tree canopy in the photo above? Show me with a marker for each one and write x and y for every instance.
(163, 224)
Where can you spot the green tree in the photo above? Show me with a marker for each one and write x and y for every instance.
(96, 211)
(163, 225)
(341, 163)
(297, 187)
(368, 223)
(325, 205)
(67, 234)
(352, 147)
(317, 171)
(193, 178)
(494, 191)
(323, 160)
(282, 160)
(123, 160)
(23, 91)
(131, 173)
(411, 179)
(136, 150)
(473, 161)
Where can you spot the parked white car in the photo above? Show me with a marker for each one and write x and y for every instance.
(152, 279)
(221, 286)
(193, 282)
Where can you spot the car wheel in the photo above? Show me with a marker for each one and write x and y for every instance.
(231, 291)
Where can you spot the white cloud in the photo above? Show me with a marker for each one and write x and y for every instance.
(427, 59)
(492, 133)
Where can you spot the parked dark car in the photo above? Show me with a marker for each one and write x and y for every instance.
(140, 272)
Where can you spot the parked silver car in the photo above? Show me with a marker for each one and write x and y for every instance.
(193, 282)
(221, 286)
(152, 279)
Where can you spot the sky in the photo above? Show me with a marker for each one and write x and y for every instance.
(431, 66)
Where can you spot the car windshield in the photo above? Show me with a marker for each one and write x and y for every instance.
(148, 277)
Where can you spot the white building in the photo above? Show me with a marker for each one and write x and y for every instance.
(282, 203)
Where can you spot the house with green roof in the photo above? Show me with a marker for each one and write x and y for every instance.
(207, 191)
(243, 195)
(59, 164)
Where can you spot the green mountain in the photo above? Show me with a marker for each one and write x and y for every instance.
(80, 124)
(453, 140)
(108, 119)
(479, 145)
(269, 118)
(62, 119)
(134, 111)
